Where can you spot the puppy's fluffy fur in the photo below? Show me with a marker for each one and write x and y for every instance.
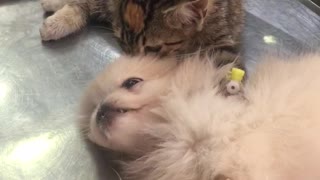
(185, 128)
(272, 133)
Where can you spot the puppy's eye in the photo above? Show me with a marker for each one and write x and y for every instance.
(152, 49)
(129, 83)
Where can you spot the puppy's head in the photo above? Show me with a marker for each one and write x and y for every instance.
(116, 106)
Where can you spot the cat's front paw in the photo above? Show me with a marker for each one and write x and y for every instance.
(51, 5)
(52, 29)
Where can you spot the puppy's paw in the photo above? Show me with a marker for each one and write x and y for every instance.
(51, 5)
(53, 29)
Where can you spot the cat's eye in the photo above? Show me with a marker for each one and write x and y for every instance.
(152, 49)
(131, 82)
(173, 43)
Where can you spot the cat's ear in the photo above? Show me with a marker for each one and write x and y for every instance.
(189, 13)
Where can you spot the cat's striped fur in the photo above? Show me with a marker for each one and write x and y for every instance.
(163, 27)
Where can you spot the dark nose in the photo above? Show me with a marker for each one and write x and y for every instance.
(105, 114)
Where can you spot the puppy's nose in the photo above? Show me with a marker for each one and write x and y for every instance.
(105, 114)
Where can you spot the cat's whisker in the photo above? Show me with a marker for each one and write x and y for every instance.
(84, 131)
(102, 27)
(192, 53)
(117, 173)
(203, 50)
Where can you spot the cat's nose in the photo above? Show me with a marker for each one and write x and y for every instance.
(105, 114)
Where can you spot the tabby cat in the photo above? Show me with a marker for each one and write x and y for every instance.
(163, 27)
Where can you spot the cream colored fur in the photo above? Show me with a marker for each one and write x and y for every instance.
(271, 134)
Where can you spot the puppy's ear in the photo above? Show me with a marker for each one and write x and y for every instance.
(188, 13)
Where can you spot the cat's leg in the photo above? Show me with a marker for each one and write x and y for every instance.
(52, 5)
(69, 19)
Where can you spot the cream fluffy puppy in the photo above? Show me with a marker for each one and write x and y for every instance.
(270, 134)
(117, 107)
(269, 131)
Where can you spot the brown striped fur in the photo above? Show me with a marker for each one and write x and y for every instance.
(163, 27)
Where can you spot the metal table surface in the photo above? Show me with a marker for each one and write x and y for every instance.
(40, 83)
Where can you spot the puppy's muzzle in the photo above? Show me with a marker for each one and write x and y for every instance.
(107, 113)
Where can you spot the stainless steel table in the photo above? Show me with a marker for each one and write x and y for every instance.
(40, 83)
